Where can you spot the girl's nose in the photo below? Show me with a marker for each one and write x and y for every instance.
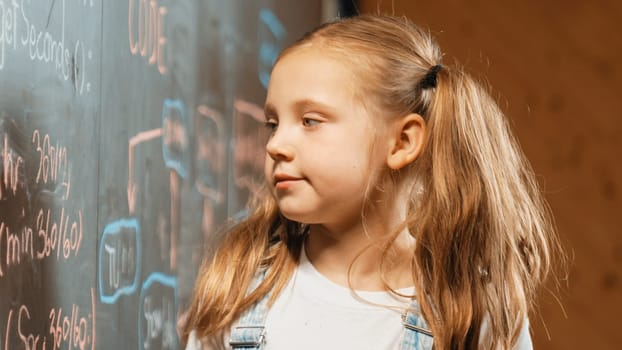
(279, 148)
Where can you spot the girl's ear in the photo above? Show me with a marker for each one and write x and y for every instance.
(407, 141)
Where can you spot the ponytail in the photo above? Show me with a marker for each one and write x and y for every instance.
(483, 231)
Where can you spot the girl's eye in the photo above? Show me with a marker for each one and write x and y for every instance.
(308, 122)
(271, 125)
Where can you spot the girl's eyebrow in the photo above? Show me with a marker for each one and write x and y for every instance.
(306, 104)
(299, 107)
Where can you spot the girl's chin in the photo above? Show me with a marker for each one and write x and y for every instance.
(297, 216)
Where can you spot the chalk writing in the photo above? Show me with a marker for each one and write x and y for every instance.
(157, 312)
(119, 260)
(52, 235)
(79, 67)
(69, 60)
(12, 169)
(52, 162)
(42, 46)
(151, 41)
(73, 329)
(16, 244)
(8, 28)
(56, 237)
(272, 35)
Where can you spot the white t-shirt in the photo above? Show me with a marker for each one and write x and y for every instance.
(315, 313)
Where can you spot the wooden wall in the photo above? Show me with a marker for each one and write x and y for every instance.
(556, 68)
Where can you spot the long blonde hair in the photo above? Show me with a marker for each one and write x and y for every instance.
(484, 236)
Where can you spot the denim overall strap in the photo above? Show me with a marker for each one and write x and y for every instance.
(417, 334)
(249, 332)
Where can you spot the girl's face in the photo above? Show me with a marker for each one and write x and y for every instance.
(320, 158)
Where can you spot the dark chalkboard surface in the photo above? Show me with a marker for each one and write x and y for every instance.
(129, 131)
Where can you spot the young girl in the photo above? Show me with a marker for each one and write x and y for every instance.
(401, 212)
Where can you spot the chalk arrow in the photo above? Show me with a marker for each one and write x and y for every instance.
(131, 187)
(131, 196)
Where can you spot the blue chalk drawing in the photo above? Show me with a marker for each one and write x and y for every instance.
(271, 43)
(166, 281)
(159, 277)
(179, 163)
(115, 228)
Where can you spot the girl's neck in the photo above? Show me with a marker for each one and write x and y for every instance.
(351, 255)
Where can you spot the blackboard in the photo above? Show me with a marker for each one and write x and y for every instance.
(129, 131)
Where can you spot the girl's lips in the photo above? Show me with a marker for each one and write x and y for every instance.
(283, 181)
(286, 184)
(284, 177)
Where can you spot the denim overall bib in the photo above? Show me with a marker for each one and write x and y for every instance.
(249, 332)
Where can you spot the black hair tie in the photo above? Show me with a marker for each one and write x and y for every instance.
(429, 81)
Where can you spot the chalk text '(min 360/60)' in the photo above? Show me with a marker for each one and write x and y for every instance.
(59, 235)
